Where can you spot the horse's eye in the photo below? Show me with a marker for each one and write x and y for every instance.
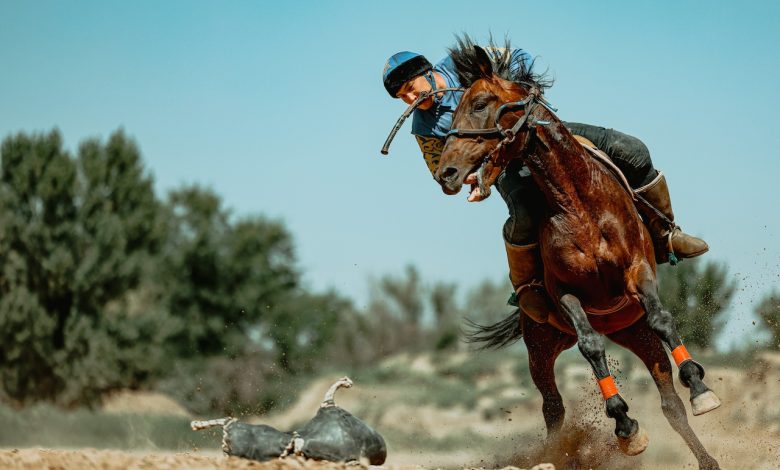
(480, 106)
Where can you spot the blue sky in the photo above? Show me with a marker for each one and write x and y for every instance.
(279, 107)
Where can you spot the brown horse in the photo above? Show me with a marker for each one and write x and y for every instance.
(599, 264)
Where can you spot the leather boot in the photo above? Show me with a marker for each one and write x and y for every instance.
(525, 273)
(670, 241)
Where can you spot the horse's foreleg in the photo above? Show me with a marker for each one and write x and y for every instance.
(544, 344)
(662, 323)
(643, 342)
(631, 438)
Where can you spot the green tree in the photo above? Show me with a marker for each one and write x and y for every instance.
(222, 279)
(303, 327)
(245, 321)
(75, 234)
(768, 310)
(697, 294)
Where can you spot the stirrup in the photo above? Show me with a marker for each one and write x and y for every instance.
(673, 260)
(514, 297)
(537, 305)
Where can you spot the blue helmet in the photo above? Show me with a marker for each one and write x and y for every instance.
(402, 67)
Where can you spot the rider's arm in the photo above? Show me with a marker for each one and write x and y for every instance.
(431, 150)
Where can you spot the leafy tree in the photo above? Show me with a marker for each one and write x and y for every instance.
(303, 327)
(768, 311)
(696, 294)
(75, 234)
(222, 279)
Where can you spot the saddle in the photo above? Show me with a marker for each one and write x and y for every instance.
(603, 158)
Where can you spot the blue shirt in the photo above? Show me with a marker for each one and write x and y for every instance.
(437, 120)
(430, 126)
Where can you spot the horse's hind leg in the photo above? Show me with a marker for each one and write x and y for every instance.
(631, 438)
(544, 344)
(662, 323)
(643, 342)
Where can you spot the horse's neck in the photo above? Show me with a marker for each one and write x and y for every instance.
(559, 166)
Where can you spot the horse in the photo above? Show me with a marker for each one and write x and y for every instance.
(598, 256)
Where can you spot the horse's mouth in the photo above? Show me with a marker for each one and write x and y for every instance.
(474, 179)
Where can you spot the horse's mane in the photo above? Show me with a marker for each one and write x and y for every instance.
(505, 65)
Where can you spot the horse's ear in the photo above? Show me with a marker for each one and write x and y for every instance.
(485, 65)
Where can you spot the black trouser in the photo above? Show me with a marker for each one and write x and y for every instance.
(524, 200)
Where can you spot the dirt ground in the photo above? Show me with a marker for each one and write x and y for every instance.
(744, 433)
(91, 459)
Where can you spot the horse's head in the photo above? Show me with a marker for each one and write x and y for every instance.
(479, 125)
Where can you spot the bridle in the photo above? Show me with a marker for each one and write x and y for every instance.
(529, 104)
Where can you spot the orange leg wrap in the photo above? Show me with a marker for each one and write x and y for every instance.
(680, 355)
(608, 387)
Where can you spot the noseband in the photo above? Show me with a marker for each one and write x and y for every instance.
(498, 130)
(528, 104)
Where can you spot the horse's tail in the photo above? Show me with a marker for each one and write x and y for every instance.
(495, 336)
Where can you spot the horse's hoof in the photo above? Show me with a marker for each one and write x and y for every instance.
(635, 444)
(705, 402)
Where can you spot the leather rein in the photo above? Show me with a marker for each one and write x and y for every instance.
(423, 96)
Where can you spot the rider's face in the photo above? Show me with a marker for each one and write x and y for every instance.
(411, 90)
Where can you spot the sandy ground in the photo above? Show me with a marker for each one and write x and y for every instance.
(91, 459)
(743, 434)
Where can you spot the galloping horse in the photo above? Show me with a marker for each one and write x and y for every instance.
(599, 264)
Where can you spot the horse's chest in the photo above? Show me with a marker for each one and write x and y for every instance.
(580, 244)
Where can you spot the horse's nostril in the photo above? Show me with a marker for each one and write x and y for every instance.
(449, 173)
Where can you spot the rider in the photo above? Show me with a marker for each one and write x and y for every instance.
(408, 74)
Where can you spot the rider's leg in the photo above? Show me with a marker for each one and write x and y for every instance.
(633, 159)
(629, 153)
(520, 234)
(668, 236)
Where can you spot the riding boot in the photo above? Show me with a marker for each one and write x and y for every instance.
(525, 273)
(670, 241)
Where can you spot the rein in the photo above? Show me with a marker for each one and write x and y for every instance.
(405, 115)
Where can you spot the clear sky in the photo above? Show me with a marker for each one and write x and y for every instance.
(279, 107)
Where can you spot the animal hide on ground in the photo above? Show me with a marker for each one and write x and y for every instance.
(333, 435)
